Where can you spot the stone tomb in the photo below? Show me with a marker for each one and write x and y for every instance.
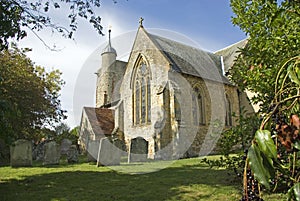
(65, 146)
(21, 153)
(52, 153)
(138, 151)
(108, 153)
(72, 155)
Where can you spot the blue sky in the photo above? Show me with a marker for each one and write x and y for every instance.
(198, 19)
(206, 22)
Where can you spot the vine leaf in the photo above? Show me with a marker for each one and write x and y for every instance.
(256, 163)
(268, 165)
(266, 144)
(293, 76)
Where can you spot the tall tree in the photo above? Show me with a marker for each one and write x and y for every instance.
(29, 96)
(274, 37)
(19, 16)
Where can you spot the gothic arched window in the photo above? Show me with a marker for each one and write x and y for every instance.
(141, 94)
(228, 116)
(198, 107)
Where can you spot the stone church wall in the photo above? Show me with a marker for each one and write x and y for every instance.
(208, 133)
(159, 67)
(203, 137)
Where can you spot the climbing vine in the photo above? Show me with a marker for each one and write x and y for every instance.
(272, 159)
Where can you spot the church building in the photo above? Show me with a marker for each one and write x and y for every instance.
(174, 97)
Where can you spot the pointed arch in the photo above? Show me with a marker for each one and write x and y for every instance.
(140, 59)
(141, 96)
(198, 106)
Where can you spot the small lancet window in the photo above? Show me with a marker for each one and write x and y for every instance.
(198, 107)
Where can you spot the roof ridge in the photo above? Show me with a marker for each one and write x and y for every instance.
(230, 46)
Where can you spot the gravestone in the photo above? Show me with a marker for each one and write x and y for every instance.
(65, 146)
(108, 153)
(21, 154)
(138, 150)
(72, 155)
(92, 150)
(52, 153)
(38, 152)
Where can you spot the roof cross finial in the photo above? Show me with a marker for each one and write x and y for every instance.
(141, 21)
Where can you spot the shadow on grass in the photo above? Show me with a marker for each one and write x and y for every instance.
(168, 184)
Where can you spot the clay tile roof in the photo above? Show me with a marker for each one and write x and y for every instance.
(101, 120)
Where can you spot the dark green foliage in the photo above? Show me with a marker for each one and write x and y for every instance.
(4, 153)
(273, 156)
(238, 138)
(269, 67)
(29, 97)
(274, 37)
(63, 131)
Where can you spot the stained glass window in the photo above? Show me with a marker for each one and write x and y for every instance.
(142, 94)
(137, 102)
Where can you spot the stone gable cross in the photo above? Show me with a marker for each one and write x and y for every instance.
(141, 22)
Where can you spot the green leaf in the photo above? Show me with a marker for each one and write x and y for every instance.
(268, 164)
(292, 75)
(266, 143)
(297, 145)
(294, 192)
(297, 191)
(256, 164)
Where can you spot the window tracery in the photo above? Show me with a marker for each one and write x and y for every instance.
(141, 94)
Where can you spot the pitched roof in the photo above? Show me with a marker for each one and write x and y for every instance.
(190, 60)
(230, 53)
(101, 120)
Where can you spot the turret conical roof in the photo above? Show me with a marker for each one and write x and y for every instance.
(109, 48)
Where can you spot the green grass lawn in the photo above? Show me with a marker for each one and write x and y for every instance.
(186, 179)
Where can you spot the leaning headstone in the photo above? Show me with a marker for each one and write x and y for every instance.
(72, 155)
(92, 150)
(108, 153)
(138, 150)
(65, 146)
(21, 154)
(52, 153)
